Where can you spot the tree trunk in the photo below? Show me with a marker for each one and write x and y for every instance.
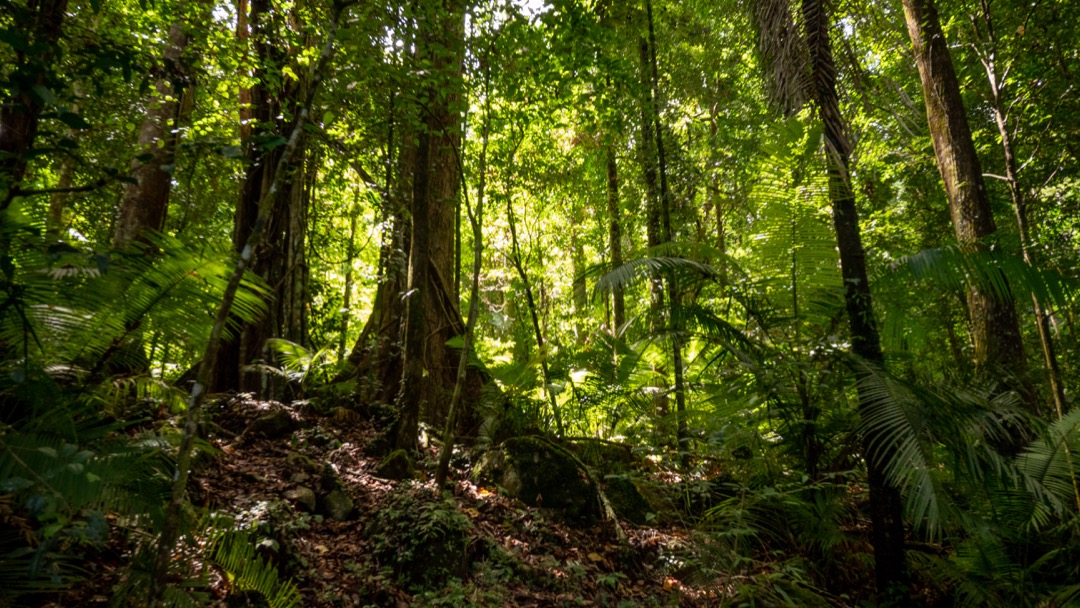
(20, 114)
(350, 259)
(995, 327)
(666, 202)
(279, 258)
(145, 203)
(431, 315)
(886, 509)
(519, 265)
(618, 303)
(1019, 204)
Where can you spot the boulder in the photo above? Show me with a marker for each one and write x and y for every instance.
(303, 497)
(397, 466)
(339, 505)
(273, 425)
(301, 463)
(542, 474)
(627, 500)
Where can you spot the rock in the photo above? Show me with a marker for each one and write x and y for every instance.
(300, 462)
(397, 466)
(542, 474)
(303, 497)
(627, 501)
(608, 457)
(273, 425)
(338, 505)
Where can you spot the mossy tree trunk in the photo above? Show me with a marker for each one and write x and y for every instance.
(996, 329)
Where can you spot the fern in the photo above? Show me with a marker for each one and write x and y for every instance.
(235, 553)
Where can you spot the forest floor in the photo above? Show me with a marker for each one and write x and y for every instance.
(404, 544)
(523, 556)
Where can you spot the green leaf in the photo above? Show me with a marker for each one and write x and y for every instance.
(73, 120)
(43, 94)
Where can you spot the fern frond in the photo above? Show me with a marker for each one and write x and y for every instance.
(235, 552)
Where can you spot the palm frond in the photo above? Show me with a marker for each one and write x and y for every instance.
(686, 271)
(992, 270)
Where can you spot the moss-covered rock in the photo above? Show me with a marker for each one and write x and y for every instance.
(540, 473)
(273, 425)
(339, 505)
(607, 457)
(303, 497)
(398, 466)
(627, 501)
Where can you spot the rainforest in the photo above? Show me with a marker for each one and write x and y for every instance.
(539, 303)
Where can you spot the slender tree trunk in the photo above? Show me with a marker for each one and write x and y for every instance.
(666, 202)
(519, 265)
(647, 153)
(618, 302)
(1019, 204)
(580, 287)
(886, 510)
(145, 203)
(350, 258)
(20, 113)
(995, 327)
(54, 221)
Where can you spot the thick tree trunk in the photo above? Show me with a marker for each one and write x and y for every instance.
(995, 327)
(886, 509)
(145, 203)
(279, 257)
(431, 316)
(20, 114)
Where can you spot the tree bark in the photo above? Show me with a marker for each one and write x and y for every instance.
(279, 256)
(995, 326)
(431, 316)
(886, 509)
(145, 203)
(618, 302)
(21, 113)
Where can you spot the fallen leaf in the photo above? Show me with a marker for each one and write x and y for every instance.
(596, 557)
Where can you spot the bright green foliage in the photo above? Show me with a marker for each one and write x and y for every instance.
(91, 340)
